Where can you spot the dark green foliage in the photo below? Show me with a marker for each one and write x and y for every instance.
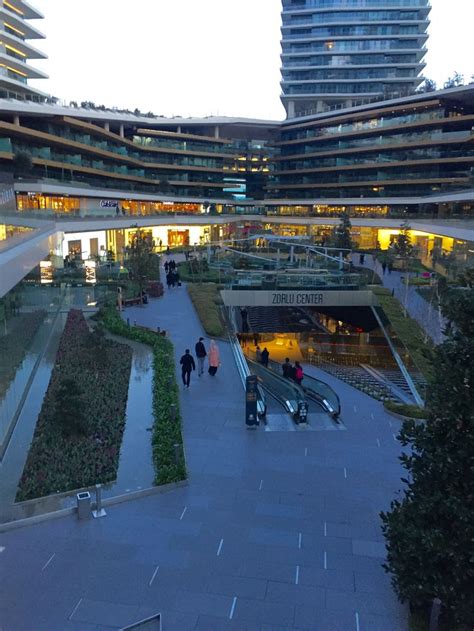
(412, 411)
(22, 163)
(430, 532)
(141, 260)
(80, 427)
(342, 234)
(458, 308)
(166, 431)
(403, 245)
(68, 414)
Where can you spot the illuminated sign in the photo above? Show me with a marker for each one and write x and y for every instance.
(108, 203)
(46, 272)
(91, 276)
(296, 298)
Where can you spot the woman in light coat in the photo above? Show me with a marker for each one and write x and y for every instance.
(213, 357)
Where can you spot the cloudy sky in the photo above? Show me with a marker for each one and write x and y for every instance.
(188, 57)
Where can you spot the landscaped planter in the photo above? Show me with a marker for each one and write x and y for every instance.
(65, 456)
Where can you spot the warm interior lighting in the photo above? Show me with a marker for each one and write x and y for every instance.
(15, 50)
(13, 70)
(10, 6)
(14, 29)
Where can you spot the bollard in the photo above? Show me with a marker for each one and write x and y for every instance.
(99, 511)
(435, 613)
(177, 453)
(173, 412)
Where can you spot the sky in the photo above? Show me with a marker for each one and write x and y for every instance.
(197, 57)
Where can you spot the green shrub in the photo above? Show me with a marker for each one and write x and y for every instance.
(166, 432)
(411, 411)
(206, 299)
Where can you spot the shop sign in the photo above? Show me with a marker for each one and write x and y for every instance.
(296, 298)
(108, 203)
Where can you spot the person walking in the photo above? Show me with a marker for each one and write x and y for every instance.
(187, 365)
(384, 267)
(201, 355)
(214, 358)
(298, 373)
(286, 368)
(265, 356)
(258, 354)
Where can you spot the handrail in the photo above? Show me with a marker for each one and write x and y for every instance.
(419, 401)
(242, 366)
(290, 395)
(315, 389)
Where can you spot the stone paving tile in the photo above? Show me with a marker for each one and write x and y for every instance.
(211, 623)
(263, 612)
(315, 618)
(369, 549)
(257, 491)
(105, 613)
(240, 586)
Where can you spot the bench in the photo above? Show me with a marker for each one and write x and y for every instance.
(129, 302)
(158, 331)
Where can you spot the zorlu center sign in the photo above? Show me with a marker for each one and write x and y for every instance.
(265, 298)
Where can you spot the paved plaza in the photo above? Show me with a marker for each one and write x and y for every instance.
(275, 530)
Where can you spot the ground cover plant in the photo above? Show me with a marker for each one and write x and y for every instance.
(166, 432)
(80, 426)
(14, 345)
(206, 300)
(404, 409)
(408, 330)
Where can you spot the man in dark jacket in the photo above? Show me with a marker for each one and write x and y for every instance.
(187, 364)
(265, 356)
(286, 368)
(201, 355)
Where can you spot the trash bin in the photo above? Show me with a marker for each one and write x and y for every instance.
(83, 505)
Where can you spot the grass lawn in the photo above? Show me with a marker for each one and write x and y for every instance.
(407, 329)
(206, 301)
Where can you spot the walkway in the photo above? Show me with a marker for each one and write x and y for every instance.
(274, 531)
(427, 315)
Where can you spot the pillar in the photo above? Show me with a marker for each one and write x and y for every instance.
(107, 126)
(16, 120)
(121, 130)
(216, 131)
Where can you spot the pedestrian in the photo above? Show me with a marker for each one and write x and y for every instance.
(167, 250)
(286, 368)
(168, 279)
(361, 259)
(214, 360)
(201, 355)
(264, 357)
(384, 267)
(187, 365)
(258, 354)
(167, 267)
(298, 373)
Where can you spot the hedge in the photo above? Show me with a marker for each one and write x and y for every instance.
(410, 411)
(205, 299)
(166, 433)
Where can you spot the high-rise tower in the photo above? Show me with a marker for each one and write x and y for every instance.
(342, 53)
(16, 51)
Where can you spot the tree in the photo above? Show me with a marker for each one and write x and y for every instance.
(455, 81)
(22, 163)
(141, 257)
(430, 532)
(69, 413)
(403, 245)
(428, 85)
(342, 234)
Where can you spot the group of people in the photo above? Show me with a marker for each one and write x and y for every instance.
(295, 373)
(188, 364)
(172, 274)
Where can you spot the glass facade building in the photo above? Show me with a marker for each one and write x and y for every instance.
(343, 53)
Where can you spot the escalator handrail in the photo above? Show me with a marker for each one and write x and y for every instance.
(291, 403)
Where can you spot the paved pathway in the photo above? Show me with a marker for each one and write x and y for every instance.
(427, 315)
(274, 531)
